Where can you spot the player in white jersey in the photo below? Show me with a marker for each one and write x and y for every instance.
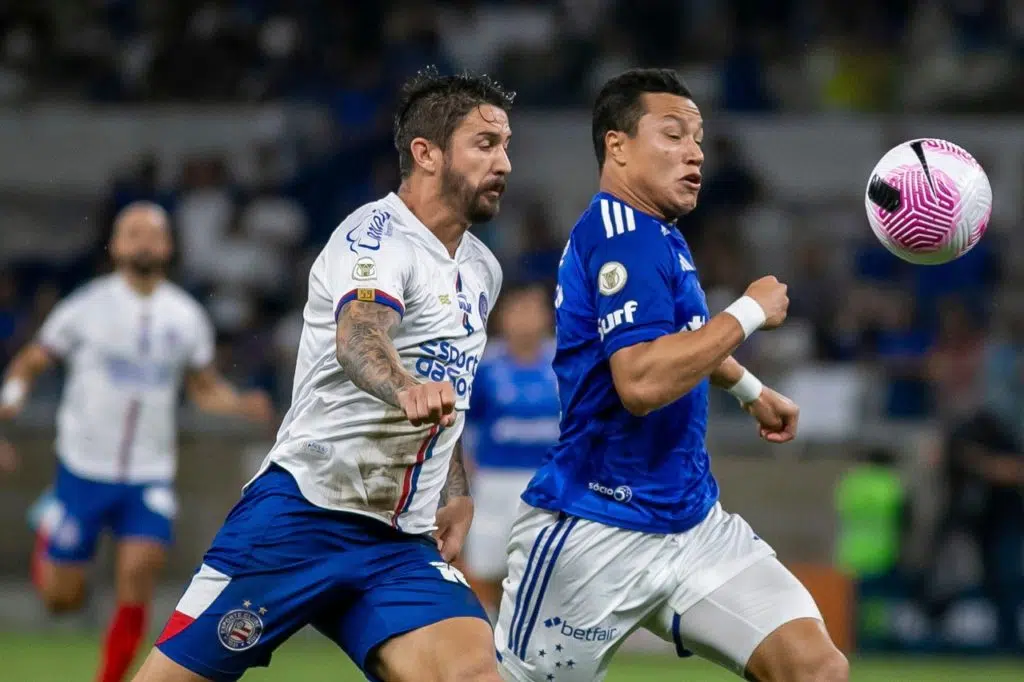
(351, 522)
(127, 339)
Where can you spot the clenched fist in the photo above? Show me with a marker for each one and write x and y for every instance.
(429, 403)
(770, 294)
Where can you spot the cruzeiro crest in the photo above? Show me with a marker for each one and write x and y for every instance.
(240, 629)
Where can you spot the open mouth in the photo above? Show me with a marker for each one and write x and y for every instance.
(692, 181)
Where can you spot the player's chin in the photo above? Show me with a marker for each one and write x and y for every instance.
(484, 208)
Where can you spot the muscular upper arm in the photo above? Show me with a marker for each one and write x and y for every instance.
(361, 321)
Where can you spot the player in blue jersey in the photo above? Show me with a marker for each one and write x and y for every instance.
(622, 526)
(514, 421)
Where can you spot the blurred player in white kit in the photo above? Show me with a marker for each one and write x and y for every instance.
(128, 339)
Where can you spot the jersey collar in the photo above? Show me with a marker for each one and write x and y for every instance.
(430, 239)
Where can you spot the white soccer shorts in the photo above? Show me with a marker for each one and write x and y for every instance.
(496, 498)
(576, 589)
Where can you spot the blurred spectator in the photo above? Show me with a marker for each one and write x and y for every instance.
(985, 502)
(541, 246)
(955, 361)
(901, 348)
(873, 515)
(203, 216)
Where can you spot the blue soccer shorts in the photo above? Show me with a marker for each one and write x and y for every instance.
(279, 563)
(81, 509)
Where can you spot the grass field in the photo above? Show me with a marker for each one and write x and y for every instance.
(64, 658)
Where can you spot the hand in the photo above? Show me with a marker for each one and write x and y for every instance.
(429, 403)
(776, 415)
(453, 521)
(770, 294)
(257, 406)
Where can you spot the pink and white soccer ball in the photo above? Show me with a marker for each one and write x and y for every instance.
(928, 201)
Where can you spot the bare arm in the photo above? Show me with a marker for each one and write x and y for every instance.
(457, 484)
(27, 365)
(727, 374)
(650, 375)
(367, 354)
(212, 393)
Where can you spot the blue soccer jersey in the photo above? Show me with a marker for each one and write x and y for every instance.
(624, 278)
(513, 413)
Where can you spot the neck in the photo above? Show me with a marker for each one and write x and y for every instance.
(142, 284)
(441, 219)
(616, 185)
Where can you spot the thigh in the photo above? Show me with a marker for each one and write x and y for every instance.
(460, 648)
(496, 496)
(145, 512)
(75, 517)
(727, 625)
(405, 588)
(575, 589)
(263, 578)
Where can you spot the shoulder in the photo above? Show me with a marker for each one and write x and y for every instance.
(609, 223)
(372, 230)
(175, 298)
(100, 289)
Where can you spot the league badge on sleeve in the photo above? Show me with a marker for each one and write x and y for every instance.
(611, 278)
(365, 269)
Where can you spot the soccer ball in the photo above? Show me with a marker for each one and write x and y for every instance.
(928, 201)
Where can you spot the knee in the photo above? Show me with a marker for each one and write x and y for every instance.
(63, 600)
(473, 670)
(831, 666)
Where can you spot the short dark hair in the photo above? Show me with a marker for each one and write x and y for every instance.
(619, 105)
(431, 106)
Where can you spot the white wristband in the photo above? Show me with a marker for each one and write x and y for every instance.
(12, 393)
(748, 313)
(747, 389)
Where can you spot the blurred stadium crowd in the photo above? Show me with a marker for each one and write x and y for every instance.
(947, 341)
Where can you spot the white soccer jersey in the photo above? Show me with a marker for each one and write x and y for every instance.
(346, 449)
(126, 355)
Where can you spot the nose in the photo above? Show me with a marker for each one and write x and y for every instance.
(695, 155)
(504, 164)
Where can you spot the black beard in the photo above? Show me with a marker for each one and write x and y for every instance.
(144, 266)
(456, 189)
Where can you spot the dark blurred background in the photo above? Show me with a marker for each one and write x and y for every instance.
(259, 124)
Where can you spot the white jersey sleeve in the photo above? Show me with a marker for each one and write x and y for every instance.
(369, 265)
(62, 331)
(203, 344)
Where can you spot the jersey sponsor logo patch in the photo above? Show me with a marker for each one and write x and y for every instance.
(365, 294)
(591, 634)
(371, 232)
(611, 278)
(445, 361)
(365, 269)
(623, 315)
(622, 493)
(239, 629)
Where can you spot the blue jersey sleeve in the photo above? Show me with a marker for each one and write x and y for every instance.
(632, 281)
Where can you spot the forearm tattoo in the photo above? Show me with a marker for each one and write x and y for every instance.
(457, 484)
(366, 353)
